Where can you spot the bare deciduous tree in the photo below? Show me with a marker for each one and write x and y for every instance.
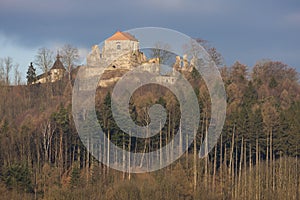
(161, 51)
(8, 64)
(70, 57)
(2, 79)
(212, 51)
(44, 59)
(17, 73)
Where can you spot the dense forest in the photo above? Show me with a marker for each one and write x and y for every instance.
(42, 157)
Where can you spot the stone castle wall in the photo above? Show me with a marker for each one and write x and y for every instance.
(118, 56)
(113, 49)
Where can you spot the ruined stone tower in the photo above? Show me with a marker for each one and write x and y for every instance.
(119, 43)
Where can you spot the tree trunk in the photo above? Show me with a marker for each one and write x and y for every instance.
(232, 148)
(129, 163)
(108, 151)
(160, 146)
(195, 160)
(124, 158)
(215, 168)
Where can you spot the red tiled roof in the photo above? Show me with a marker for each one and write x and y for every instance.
(122, 36)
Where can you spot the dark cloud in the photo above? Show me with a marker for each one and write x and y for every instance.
(245, 31)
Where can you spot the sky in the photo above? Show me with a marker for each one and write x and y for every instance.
(244, 31)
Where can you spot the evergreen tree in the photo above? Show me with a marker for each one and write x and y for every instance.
(75, 176)
(31, 75)
(18, 176)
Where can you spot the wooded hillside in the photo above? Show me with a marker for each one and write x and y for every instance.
(256, 157)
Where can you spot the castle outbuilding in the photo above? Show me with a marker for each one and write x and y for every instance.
(56, 72)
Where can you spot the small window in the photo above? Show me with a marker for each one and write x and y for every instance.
(118, 46)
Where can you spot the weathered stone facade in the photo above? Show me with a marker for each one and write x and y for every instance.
(120, 54)
(114, 48)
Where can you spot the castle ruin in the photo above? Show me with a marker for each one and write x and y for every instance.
(121, 53)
